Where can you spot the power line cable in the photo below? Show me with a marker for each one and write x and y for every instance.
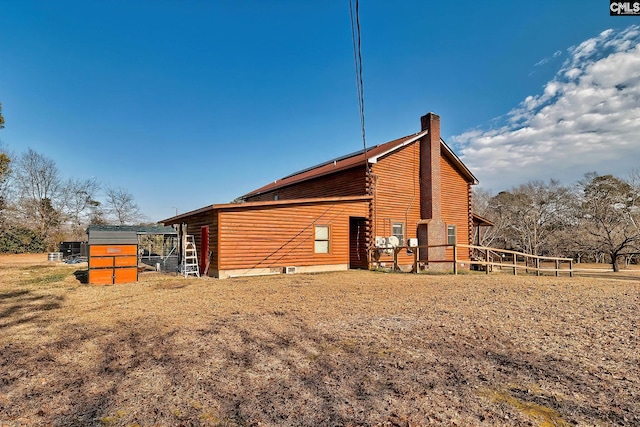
(357, 58)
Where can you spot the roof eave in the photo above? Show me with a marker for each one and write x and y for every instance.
(270, 203)
(175, 219)
(374, 159)
(481, 221)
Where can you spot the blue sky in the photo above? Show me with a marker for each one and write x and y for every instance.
(189, 103)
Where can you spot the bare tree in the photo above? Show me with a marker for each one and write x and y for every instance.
(121, 206)
(38, 186)
(634, 182)
(79, 204)
(34, 201)
(5, 171)
(483, 205)
(529, 215)
(610, 215)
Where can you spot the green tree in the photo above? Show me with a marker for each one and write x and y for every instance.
(16, 240)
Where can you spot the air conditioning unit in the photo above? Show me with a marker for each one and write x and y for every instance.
(290, 270)
(413, 242)
(381, 242)
(393, 241)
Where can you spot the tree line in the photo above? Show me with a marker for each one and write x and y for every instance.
(39, 208)
(596, 220)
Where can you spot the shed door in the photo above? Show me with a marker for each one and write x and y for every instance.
(358, 243)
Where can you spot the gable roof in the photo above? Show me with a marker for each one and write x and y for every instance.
(479, 221)
(356, 159)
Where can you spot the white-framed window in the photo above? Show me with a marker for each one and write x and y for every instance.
(451, 234)
(321, 239)
(397, 229)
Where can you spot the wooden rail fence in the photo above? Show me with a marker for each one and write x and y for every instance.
(483, 256)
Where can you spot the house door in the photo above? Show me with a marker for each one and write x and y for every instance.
(357, 243)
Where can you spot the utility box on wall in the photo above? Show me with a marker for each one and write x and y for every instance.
(113, 255)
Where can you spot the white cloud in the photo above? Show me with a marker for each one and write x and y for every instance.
(586, 119)
(547, 59)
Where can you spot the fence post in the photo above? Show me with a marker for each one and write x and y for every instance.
(396, 267)
(571, 268)
(557, 268)
(486, 259)
(415, 259)
(538, 267)
(515, 264)
(455, 259)
(426, 258)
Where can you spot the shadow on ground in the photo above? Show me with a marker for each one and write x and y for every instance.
(239, 371)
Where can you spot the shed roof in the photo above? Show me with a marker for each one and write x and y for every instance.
(112, 237)
(357, 159)
(136, 229)
(479, 221)
(123, 234)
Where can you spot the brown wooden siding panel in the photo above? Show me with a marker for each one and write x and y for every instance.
(126, 261)
(214, 241)
(99, 262)
(126, 275)
(350, 182)
(455, 204)
(112, 250)
(101, 276)
(280, 236)
(397, 194)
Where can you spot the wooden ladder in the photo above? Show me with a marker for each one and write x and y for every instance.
(190, 258)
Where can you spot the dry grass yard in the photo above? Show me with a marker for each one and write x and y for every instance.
(339, 349)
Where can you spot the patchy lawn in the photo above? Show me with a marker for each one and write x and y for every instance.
(340, 349)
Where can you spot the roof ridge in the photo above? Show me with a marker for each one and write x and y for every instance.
(343, 157)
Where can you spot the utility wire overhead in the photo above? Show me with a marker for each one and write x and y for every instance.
(354, 14)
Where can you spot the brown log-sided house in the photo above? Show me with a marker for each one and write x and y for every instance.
(326, 217)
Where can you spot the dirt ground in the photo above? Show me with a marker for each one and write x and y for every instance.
(351, 348)
(15, 260)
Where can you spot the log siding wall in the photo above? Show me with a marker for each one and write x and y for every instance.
(397, 194)
(268, 237)
(349, 182)
(455, 205)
